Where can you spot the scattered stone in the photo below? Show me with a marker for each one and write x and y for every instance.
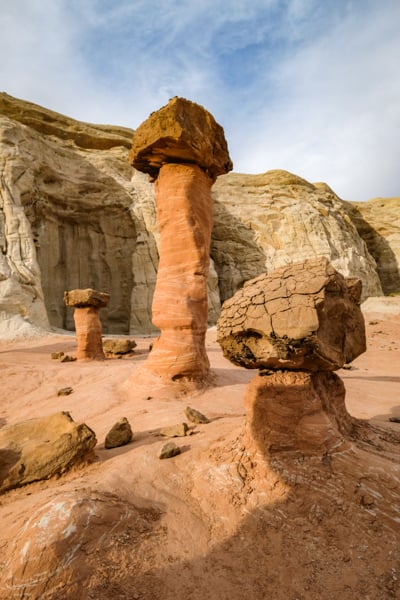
(57, 355)
(169, 450)
(119, 435)
(178, 430)
(183, 148)
(302, 316)
(65, 391)
(40, 448)
(67, 358)
(118, 346)
(87, 304)
(194, 416)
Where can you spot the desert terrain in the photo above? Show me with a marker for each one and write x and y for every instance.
(212, 522)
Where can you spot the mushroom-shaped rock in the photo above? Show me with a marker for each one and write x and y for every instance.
(303, 316)
(183, 147)
(87, 303)
(180, 132)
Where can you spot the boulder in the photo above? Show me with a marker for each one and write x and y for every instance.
(40, 448)
(305, 316)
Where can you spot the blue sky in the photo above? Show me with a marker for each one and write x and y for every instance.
(310, 86)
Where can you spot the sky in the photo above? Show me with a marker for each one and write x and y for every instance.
(309, 86)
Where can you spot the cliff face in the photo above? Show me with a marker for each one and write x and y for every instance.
(378, 223)
(265, 221)
(73, 214)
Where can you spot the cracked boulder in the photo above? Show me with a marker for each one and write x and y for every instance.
(305, 316)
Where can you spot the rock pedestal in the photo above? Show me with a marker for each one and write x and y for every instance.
(87, 304)
(184, 150)
(296, 411)
(296, 325)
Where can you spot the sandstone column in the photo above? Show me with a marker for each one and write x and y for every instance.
(183, 149)
(87, 304)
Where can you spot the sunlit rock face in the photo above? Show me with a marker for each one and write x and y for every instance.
(65, 218)
(266, 221)
(184, 149)
(304, 316)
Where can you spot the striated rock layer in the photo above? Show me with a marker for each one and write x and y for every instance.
(180, 297)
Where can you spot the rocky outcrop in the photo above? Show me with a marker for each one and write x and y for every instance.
(184, 150)
(304, 316)
(378, 223)
(41, 448)
(87, 304)
(266, 221)
(73, 214)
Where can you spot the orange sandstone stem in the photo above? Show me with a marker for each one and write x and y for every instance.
(184, 216)
(88, 333)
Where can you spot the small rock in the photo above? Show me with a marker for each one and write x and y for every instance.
(57, 355)
(394, 419)
(348, 367)
(120, 434)
(118, 346)
(178, 430)
(67, 358)
(65, 391)
(194, 416)
(169, 450)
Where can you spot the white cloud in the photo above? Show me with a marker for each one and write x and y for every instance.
(303, 85)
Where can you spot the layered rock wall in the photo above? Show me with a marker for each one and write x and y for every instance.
(73, 214)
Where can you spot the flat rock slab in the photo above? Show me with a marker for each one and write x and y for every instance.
(87, 297)
(303, 316)
(40, 448)
(180, 132)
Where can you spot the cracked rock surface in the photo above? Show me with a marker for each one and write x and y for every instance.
(303, 316)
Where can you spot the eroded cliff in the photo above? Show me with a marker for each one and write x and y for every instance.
(74, 214)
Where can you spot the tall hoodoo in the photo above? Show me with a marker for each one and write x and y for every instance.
(184, 150)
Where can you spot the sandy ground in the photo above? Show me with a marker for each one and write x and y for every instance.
(203, 524)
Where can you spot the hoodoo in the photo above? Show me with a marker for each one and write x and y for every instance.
(87, 304)
(183, 149)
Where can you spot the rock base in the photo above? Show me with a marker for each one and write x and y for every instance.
(296, 411)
